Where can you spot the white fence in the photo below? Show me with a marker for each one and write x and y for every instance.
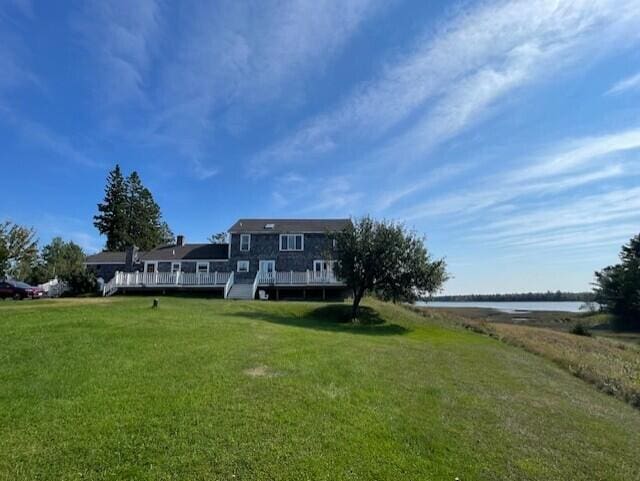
(54, 288)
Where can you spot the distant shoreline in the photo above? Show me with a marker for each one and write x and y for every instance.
(557, 296)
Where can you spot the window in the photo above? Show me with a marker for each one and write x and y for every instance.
(243, 266)
(175, 267)
(245, 242)
(150, 267)
(323, 266)
(292, 242)
(202, 267)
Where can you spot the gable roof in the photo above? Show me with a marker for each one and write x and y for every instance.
(165, 253)
(288, 225)
(107, 257)
(187, 252)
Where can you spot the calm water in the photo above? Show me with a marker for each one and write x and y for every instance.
(512, 307)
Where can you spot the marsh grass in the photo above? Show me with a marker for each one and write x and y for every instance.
(611, 364)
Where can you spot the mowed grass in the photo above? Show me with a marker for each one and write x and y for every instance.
(209, 389)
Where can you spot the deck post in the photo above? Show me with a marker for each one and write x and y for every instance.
(307, 276)
(215, 278)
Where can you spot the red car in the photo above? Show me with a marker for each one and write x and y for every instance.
(19, 290)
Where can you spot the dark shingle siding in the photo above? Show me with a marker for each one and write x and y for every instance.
(289, 225)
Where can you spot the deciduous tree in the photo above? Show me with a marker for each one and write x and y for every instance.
(18, 250)
(386, 259)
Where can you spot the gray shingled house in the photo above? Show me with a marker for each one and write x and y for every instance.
(269, 258)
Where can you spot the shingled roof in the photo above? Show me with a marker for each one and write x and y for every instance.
(288, 225)
(108, 257)
(187, 252)
(166, 253)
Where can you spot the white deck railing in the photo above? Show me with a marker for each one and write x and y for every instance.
(297, 278)
(168, 279)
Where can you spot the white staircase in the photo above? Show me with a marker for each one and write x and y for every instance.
(241, 291)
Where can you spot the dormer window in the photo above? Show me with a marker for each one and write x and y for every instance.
(245, 242)
(270, 226)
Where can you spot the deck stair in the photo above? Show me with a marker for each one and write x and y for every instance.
(241, 291)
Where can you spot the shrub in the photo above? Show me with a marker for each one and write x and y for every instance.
(82, 282)
(579, 329)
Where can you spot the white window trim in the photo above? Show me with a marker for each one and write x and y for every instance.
(243, 262)
(176, 264)
(155, 269)
(291, 250)
(329, 262)
(198, 264)
(248, 243)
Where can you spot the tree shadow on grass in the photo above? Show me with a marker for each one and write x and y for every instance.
(334, 318)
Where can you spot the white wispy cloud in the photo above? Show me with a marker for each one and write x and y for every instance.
(329, 195)
(457, 72)
(578, 154)
(412, 186)
(122, 37)
(571, 164)
(229, 57)
(629, 83)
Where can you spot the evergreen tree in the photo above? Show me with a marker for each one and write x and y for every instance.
(617, 287)
(146, 229)
(129, 215)
(112, 219)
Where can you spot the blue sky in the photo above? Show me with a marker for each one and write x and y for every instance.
(507, 132)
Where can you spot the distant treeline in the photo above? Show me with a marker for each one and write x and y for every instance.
(524, 296)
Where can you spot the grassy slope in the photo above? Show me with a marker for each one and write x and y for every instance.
(204, 389)
(611, 363)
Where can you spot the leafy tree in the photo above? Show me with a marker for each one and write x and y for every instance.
(18, 250)
(219, 238)
(386, 259)
(617, 287)
(112, 219)
(146, 228)
(62, 259)
(129, 215)
(82, 282)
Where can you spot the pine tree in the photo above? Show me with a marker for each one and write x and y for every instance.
(129, 215)
(112, 219)
(146, 229)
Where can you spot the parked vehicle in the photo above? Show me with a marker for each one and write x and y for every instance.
(19, 290)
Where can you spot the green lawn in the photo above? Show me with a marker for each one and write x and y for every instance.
(209, 389)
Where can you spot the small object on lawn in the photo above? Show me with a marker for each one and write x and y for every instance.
(155, 304)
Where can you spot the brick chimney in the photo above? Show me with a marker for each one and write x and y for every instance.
(180, 240)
